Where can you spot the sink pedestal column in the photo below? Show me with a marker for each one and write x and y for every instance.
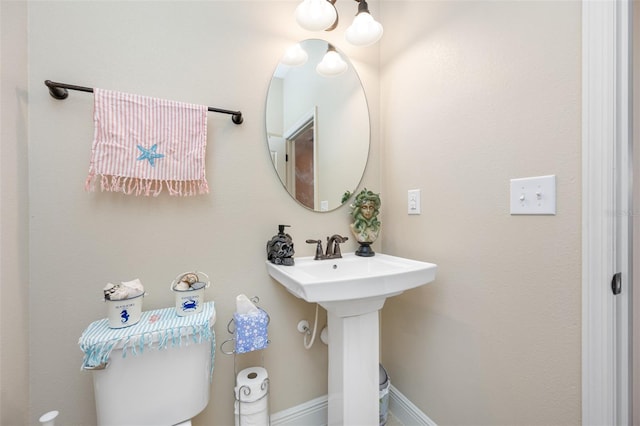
(354, 364)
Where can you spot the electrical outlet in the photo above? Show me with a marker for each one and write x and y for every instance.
(413, 201)
(534, 195)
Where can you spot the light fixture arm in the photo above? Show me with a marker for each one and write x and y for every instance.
(362, 7)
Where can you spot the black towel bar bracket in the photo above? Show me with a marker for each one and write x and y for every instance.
(59, 91)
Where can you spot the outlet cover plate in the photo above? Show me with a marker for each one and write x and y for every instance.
(533, 196)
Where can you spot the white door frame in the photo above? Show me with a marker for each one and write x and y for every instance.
(606, 217)
(311, 117)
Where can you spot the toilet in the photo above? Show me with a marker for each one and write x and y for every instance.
(151, 386)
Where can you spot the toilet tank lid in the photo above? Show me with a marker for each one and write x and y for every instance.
(158, 328)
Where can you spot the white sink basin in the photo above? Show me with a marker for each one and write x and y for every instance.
(352, 290)
(351, 278)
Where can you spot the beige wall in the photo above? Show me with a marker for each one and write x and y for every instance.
(474, 93)
(471, 94)
(217, 53)
(14, 280)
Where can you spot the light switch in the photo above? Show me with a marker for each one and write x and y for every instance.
(324, 205)
(533, 195)
(413, 201)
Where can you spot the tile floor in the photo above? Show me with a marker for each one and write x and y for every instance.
(393, 421)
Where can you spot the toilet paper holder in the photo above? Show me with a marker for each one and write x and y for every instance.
(252, 409)
(246, 406)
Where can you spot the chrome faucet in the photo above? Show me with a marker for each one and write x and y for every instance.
(333, 247)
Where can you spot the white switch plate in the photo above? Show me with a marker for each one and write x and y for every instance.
(324, 205)
(533, 195)
(413, 201)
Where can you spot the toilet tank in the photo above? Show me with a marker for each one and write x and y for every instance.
(160, 374)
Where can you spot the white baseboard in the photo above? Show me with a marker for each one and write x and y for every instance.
(310, 413)
(314, 412)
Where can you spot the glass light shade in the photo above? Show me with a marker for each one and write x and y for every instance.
(315, 15)
(364, 30)
(332, 64)
(295, 56)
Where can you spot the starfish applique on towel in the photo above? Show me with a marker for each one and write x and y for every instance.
(149, 154)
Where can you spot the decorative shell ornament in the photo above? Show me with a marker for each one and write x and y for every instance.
(189, 278)
(188, 281)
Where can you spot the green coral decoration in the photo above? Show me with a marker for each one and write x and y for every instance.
(364, 211)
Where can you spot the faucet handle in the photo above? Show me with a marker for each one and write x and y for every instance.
(319, 254)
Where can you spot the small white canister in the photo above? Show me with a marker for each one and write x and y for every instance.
(125, 312)
(189, 301)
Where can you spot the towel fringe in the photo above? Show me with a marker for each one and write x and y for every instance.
(146, 187)
(97, 354)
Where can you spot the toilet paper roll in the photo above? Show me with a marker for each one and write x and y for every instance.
(251, 384)
(252, 413)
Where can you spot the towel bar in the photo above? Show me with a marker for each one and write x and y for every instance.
(59, 91)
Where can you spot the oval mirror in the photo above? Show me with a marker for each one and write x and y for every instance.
(317, 122)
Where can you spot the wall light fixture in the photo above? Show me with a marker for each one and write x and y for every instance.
(316, 15)
(321, 15)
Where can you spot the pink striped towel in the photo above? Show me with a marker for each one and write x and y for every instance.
(143, 144)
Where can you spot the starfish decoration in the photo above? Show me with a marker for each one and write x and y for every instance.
(149, 154)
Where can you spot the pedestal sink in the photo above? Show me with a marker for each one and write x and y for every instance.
(352, 289)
